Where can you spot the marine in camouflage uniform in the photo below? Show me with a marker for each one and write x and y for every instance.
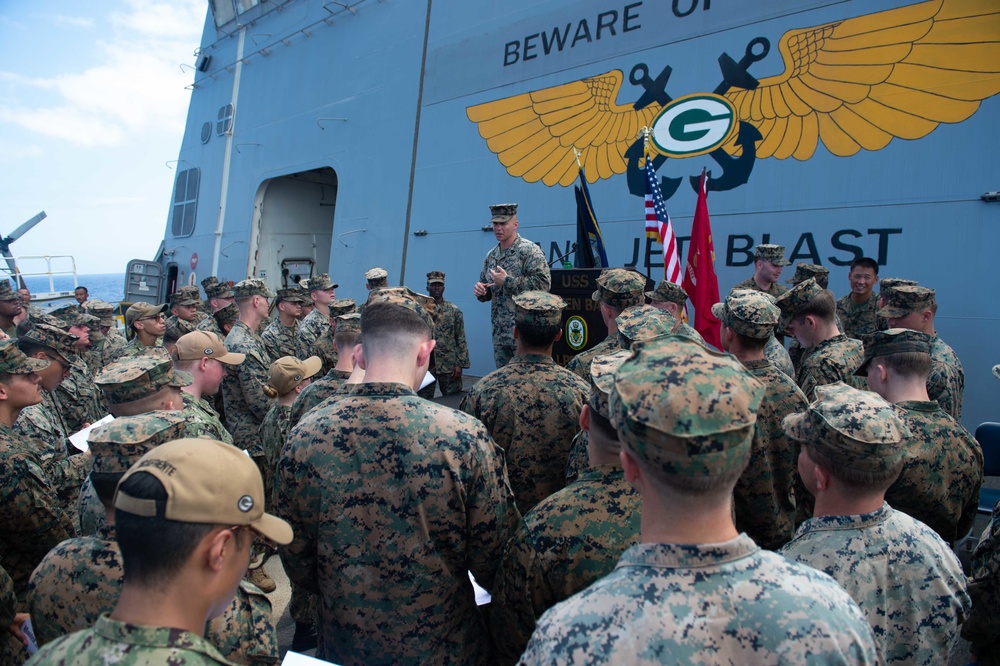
(803, 272)
(279, 339)
(201, 411)
(571, 538)
(531, 406)
(185, 297)
(452, 350)
(658, 605)
(325, 346)
(617, 290)
(769, 260)
(860, 321)
(243, 385)
(79, 400)
(526, 270)
(316, 322)
(764, 496)
(907, 581)
(672, 298)
(946, 381)
(11, 649)
(315, 393)
(982, 626)
(779, 357)
(389, 520)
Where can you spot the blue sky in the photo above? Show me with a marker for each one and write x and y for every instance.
(92, 107)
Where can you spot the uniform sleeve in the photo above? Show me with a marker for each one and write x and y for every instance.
(8, 600)
(299, 504)
(245, 632)
(461, 345)
(535, 274)
(270, 345)
(512, 610)
(252, 376)
(69, 473)
(485, 279)
(982, 627)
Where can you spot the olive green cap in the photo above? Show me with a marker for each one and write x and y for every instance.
(643, 322)
(252, 287)
(773, 253)
(894, 341)
(7, 292)
(134, 378)
(796, 299)
(321, 282)
(294, 294)
(538, 308)
(804, 271)
(349, 323)
(620, 288)
(684, 409)
(906, 299)
(886, 285)
(435, 277)
(62, 342)
(376, 275)
(14, 362)
(750, 313)
(119, 444)
(403, 297)
(669, 292)
(228, 313)
(342, 306)
(602, 380)
(502, 212)
(856, 429)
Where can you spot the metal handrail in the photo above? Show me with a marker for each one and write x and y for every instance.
(48, 268)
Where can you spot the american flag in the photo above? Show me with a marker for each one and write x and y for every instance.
(659, 226)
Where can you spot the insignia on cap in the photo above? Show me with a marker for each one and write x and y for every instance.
(209, 351)
(245, 503)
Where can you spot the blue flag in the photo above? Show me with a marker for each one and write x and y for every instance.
(589, 242)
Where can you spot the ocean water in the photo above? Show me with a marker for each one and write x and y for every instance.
(108, 287)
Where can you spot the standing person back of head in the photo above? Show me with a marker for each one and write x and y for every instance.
(186, 516)
(906, 579)
(394, 500)
(348, 328)
(203, 356)
(695, 590)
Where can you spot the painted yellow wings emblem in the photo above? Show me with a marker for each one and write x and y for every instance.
(852, 84)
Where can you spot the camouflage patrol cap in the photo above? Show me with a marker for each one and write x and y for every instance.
(906, 299)
(227, 314)
(349, 323)
(376, 274)
(620, 288)
(61, 342)
(119, 444)
(210, 281)
(185, 296)
(321, 282)
(886, 285)
(602, 380)
(129, 379)
(252, 287)
(207, 482)
(435, 277)
(669, 292)
(894, 341)
(342, 306)
(141, 310)
(72, 315)
(205, 344)
(286, 373)
(219, 290)
(500, 213)
(102, 310)
(404, 297)
(804, 271)
(796, 299)
(750, 313)
(643, 322)
(856, 429)
(773, 253)
(684, 409)
(7, 292)
(538, 308)
(294, 294)
(14, 362)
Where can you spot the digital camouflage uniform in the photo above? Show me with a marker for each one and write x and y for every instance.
(531, 407)
(946, 381)
(774, 290)
(315, 393)
(133, 348)
(211, 325)
(527, 270)
(312, 327)
(280, 340)
(723, 603)
(11, 650)
(579, 365)
(451, 350)
(779, 357)
(942, 472)
(569, 540)
(243, 386)
(42, 430)
(907, 581)
(982, 626)
(388, 520)
(833, 360)
(860, 320)
(273, 433)
(79, 399)
(201, 411)
(128, 644)
(176, 327)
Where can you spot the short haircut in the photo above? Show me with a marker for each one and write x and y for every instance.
(748, 343)
(907, 364)
(154, 549)
(865, 262)
(29, 348)
(242, 302)
(854, 478)
(601, 425)
(387, 327)
(704, 486)
(150, 403)
(822, 306)
(85, 290)
(538, 336)
(188, 365)
(344, 340)
(6, 377)
(105, 484)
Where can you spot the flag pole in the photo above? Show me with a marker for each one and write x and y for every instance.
(644, 131)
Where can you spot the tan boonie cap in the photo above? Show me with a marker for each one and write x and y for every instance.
(404, 297)
(207, 482)
(142, 311)
(906, 299)
(643, 322)
(293, 295)
(796, 299)
(894, 341)
(205, 344)
(226, 314)
(501, 213)
(773, 253)
(602, 380)
(886, 285)
(252, 287)
(321, 282)
(7, 292)
(134, 378)
(620, 288)
(668, 292)
(853, 428)
(342, 306)
(375, 274)
(286, 373)
(14, 362)
(538, 308)
(61, 342)
(684, 409)
(435, 277)
(750, 313)
(119, 444)
(804, 271)
(349, 323)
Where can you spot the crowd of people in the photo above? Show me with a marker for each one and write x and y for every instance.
(654, 501)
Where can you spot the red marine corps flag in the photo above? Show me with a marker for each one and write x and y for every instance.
(700, 281)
